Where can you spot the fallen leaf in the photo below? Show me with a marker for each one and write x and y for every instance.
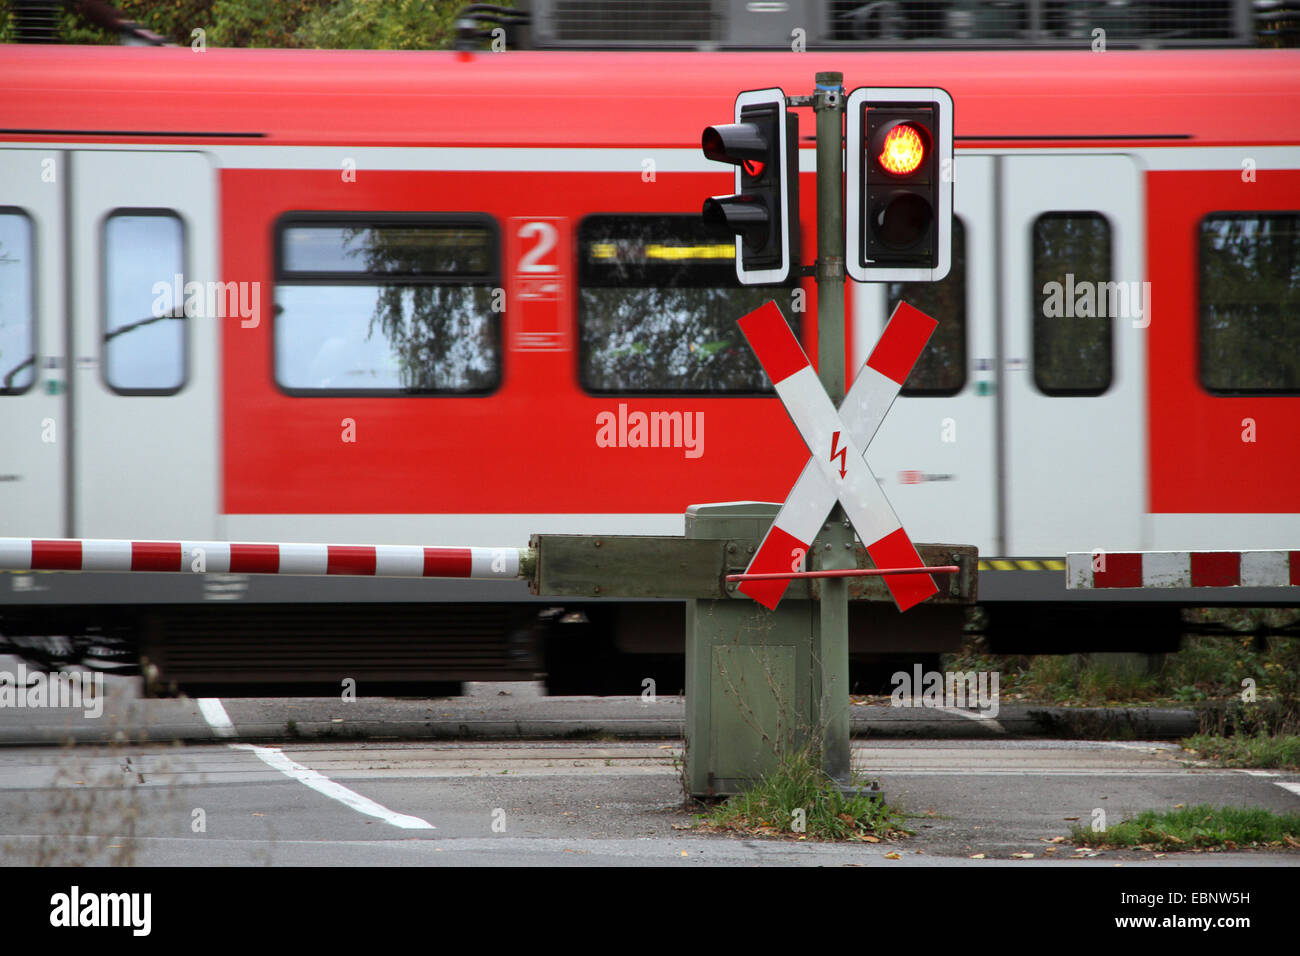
(1069, 818)
(1049, 849)
(977, 856)
(1022, 856)
(1054, 840)
(868, 838)
(892, 856)
(684, 853)
(1180, 806)
(1291, 841)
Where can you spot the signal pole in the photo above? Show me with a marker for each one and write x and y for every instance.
(835, 544)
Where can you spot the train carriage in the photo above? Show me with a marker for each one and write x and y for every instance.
(437, 298)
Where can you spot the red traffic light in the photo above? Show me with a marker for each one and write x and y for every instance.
(902, 150)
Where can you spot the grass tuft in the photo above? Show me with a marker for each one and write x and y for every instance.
(1281, 752)
(1200, 827)
(799, 783)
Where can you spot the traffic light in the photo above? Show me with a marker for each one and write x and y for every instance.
(899, 189)
(763, 145)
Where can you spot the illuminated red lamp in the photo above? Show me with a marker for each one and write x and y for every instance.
(902, 151)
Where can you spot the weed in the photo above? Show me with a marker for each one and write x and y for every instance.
(799, 800)
(1198, 827)
(1281, 752)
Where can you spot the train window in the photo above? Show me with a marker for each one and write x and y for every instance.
(17, 314)
(1074, 303)
(658, 301)
(1250, 302)
(941, 369)
(387, 304)
(144, 332)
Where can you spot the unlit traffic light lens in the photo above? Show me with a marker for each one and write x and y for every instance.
(902, 151)
(903, 220)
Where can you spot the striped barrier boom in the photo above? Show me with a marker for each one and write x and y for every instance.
(368, 560)
(1182, 569)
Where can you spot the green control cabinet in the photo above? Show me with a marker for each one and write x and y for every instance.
(750, 694)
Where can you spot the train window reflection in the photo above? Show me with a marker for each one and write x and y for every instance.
(1250, 302)
(389, 305)
(17, 314)
(144, 333)
(658, 301)
(941, 369)
(1075, 303)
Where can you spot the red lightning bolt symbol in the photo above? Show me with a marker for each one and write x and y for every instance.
(841, 454)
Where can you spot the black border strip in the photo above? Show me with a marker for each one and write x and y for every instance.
(1069, 136)
(132, 132)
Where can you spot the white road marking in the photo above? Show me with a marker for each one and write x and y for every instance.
(216, 716)
(335, 791)
(1258, 773)
(1292, 787)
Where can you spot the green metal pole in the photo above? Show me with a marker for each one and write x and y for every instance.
(836, 541)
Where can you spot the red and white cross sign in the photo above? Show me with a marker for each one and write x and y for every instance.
(837, 441)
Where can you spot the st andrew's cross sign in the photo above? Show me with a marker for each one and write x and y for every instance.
(837, 440)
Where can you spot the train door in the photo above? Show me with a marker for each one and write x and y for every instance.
(145, 313)
(935, 452)
(33, 421)
(1074, 309)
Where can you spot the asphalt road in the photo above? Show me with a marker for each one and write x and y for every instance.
(368, 782)
(566, 804)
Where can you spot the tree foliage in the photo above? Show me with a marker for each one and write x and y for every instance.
(309, 24)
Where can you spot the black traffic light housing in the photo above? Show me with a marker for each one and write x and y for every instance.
(763, 145)
(899, 195)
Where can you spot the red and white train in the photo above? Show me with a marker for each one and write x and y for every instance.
(401, 297)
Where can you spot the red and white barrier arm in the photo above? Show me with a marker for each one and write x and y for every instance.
(1182, 569)
(381, 560)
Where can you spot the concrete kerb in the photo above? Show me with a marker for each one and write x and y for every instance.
(1019, 721)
